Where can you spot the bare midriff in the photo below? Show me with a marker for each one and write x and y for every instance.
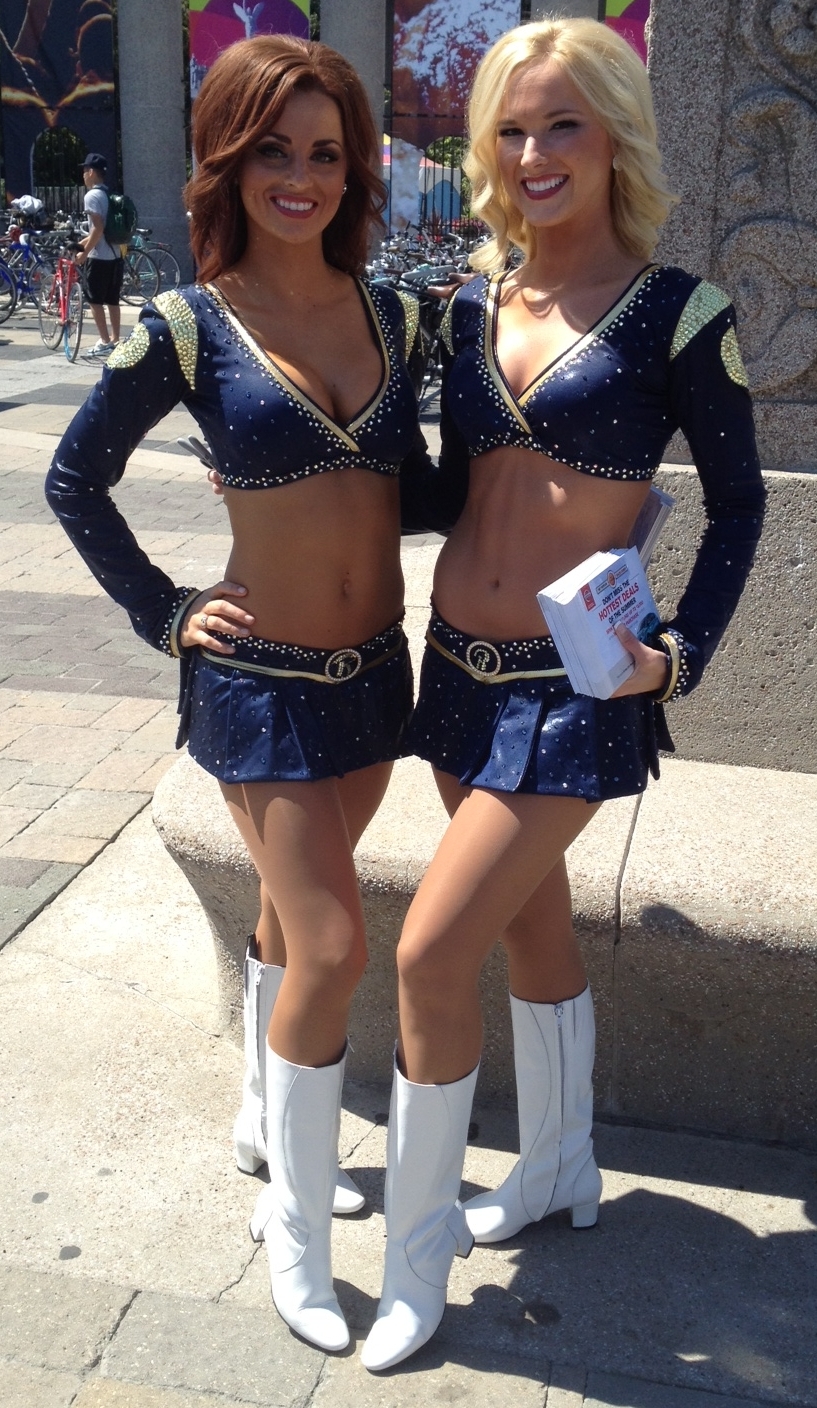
(527, 521)
(320, 558)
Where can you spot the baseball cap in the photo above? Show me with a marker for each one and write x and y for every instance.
(95, 160)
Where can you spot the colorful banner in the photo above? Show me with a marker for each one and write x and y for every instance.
(437, 46)
(216, 24)
(56, 71)
(629, 19)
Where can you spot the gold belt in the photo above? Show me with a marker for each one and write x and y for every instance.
(342, 665)
(486, 653)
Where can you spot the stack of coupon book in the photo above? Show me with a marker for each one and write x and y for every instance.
(608, 589)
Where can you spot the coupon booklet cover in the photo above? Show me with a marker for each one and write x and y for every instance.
(584, 606)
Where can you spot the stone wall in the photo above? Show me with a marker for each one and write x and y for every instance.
(735, 85)
(151, 105)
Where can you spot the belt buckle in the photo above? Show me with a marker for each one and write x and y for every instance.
(343, 665)
(483, 658)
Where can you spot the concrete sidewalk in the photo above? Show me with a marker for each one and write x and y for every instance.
(128, 1278)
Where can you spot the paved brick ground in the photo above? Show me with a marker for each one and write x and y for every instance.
(87, 713)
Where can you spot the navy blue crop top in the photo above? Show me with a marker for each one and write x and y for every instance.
(664, 357)
(190, 347)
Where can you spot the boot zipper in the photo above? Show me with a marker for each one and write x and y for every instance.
(558, 1012)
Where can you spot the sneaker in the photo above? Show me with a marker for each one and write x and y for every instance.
(102, 349)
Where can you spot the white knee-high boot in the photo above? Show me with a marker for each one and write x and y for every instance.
(261, 984)
(425, 1223)
(293, 1216)
(554, 1050)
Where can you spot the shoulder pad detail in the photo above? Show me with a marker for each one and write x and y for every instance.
(411, 310)
(446, 332)
(181, 320)
(132, 350)
(703, 304)
(731, 358)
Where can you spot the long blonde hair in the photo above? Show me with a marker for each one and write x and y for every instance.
(613, 81)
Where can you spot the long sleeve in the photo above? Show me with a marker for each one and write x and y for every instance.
(141, 384)
(712, 406)
(432, 496)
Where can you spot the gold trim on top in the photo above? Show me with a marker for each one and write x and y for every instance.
(490, 360)
(446, 326)
(181, 321)
(703, 304)
(278, 375)
(731, 358)
(372, 406)
(411, 314)
(590, 336)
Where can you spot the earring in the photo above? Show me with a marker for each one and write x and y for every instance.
(616, 163)
(345, 189)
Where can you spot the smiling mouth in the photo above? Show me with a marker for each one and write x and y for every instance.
(546, 186)
(294, 207)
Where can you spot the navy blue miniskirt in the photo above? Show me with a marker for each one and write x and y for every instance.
(477, 716)
(286, 713)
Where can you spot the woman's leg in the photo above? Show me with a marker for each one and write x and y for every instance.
(544, 959)
(298, 838)
(496, 853)
(554, 1053)
(360, 794)
(269, 936)
(498, 850)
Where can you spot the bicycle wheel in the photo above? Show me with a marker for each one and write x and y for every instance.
(170, 275)
(40, 273)
(8, 293)
(140, 277)
(48, 312)
(72, 332)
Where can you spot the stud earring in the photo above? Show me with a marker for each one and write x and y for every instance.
(616, 163)
(345, 189)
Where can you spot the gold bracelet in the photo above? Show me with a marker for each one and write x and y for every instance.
(675, 666)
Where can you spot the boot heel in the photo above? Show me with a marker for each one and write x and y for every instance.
(585, 1215)
(461, 1232)
(247, 1161)
(261, 1214)
(257, 1225)
(465, 1244)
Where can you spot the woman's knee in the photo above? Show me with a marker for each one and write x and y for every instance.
(333, 960)
(431, 969)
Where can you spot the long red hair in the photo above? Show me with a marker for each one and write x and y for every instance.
(239, 102)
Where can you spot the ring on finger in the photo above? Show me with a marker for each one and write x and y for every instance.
(204, 619)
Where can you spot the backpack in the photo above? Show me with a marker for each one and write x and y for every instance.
(121, 220)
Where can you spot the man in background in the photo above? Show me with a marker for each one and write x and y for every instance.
(104, 261)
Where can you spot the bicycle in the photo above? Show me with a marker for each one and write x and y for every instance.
(140, 276)
(28, 268)
(61, 305)
(8, 291)
(170, 274)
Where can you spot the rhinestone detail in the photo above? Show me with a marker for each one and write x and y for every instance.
(181, 321)
(732, 360)
(703, 304)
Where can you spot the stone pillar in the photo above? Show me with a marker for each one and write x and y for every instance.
(357, 29)
(735, 86)
(151, 102)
